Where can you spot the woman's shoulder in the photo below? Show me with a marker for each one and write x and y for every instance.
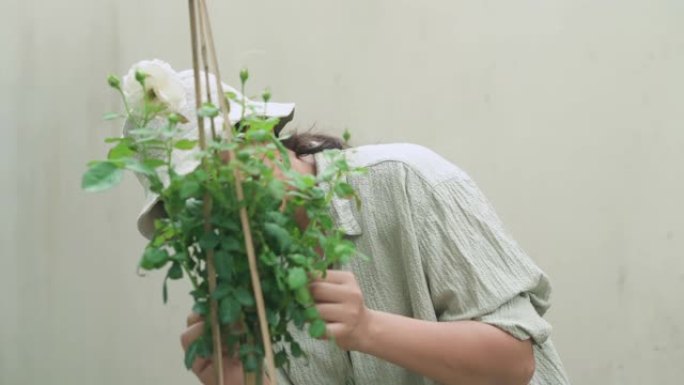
(430, 166)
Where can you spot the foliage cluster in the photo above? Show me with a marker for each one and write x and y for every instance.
(289, 253)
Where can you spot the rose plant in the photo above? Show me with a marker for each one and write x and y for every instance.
(200, 236)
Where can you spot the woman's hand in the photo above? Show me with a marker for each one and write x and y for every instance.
(339, 300)
(203, 367)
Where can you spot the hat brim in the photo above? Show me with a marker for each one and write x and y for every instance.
(270, 109)
(152, 210)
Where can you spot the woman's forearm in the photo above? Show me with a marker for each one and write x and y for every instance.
(460, 352)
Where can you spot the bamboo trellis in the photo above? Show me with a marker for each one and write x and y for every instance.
(202, 39)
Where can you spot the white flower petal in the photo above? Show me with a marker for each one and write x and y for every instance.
(161, 79)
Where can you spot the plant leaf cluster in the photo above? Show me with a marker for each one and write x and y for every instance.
(289, 253)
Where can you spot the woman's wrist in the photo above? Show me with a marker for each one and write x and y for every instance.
(368, 330)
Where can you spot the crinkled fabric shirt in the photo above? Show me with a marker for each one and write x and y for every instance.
(438, 252)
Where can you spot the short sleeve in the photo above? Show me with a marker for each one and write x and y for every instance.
(474, 268)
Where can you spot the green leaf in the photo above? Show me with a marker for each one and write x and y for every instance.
(343, 251)
(112, 116)
(277, 189)
(326, 221)
(209, 240)
(115, 139)
(221, 291)
(276, 217)
(298, 318)
(341, 164)
(312, 313)
(189, 188)
(101, 176)
(303, 296)
(296, 350)
(201, 308)
(180, 256)
(258, 135)
(281, 236)
(154, 258)
(244, 296)
(191, 353)
(317, 329)
(268, 258)
(308, 180)
(175, 271)
(246, 349)
(165, 291)
(208, 110)
(154, 162)
(250, 363)
(223, 262)
(231, 244)
(200, 175)
(296, 278)
(176, 118)
(185, 144)
(206, 345)
(245, 153)
(272, 317)
(136, 166)
(280, 358)
(298, 259)
(229, 310)
(344, 190)
(230, 223)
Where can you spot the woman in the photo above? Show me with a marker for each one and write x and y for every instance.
(447, 296)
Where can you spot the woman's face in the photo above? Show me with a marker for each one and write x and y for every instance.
(305, 164)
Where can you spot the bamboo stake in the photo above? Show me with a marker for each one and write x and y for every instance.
(205, 63)
(207, 205)
(244, 219)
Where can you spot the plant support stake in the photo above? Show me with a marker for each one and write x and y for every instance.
(211, 276)
(206, 41)
(244, 219)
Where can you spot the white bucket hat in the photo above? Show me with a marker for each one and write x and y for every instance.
(185, 161)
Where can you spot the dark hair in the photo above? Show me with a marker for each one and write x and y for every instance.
(305, 143)
(308, 143)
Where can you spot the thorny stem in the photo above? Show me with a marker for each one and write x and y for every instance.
(184, 266)
(193, 279)
(242, 100)
(125, 102)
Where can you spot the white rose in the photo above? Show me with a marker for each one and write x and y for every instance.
(162, 81)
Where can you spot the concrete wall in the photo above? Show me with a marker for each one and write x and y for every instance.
(568, 114)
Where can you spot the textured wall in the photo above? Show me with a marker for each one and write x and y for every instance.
(569, 115)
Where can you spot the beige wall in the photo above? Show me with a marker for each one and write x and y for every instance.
(569, 114)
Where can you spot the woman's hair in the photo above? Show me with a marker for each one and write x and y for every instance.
(308, 143)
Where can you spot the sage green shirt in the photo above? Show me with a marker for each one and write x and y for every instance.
(438, 252)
